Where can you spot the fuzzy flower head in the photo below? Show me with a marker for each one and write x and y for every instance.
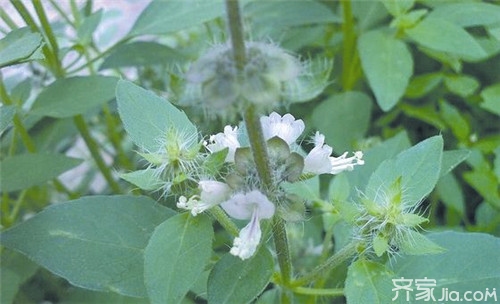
(221, 141)
(252, 205)
(319, 161)
(286, 127)
(388, 224)
(211, 194)
(223, 88)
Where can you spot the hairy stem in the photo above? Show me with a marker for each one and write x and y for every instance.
(236, 31)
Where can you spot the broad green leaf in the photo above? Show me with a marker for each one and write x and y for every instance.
(147, 117)
(451, 194)
(484, 181)
(387, 64)
(233, 280)
(451, 159)
(88, 27)
(68, 97)
(15, 269)
(415, 243)
(491, 99)
(141, 53)
(94, 242)
(162, 17)
(418, 166)
(470, 263)
(311, 82)
(366, 282)
(82, 296)
(455, 120)
(421, 85)
(462, 85)
(176, 255)
(398, 7)
(442, 35)
(426, 113)
(6, 115)
(146, 179)
(468, 14)
(17, 46)
(26, 170)
(368, 14)
(343, 119)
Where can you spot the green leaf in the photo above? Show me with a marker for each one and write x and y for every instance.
(451, 159)
(146, 179)
(162, 17)
(462, 85)
(470, 263)
(343, 118)
(451, 194)
(415, 243)
(68, 97)
(398, 7)
(423, 84)
(311, 82)
(484, 181)
(147, 117)
(233, 280)
(6, 115)
(82, 296)
(442, 35)
(176, 255)
(426, 113)
(366, 282)
(491, 99)
(88, 27)
(94, 242)
(26, 170)
(15, 269)
(418, 166)
(468, 14)
(455, 120)
(141, 53)
(387, 64)
(17, 46)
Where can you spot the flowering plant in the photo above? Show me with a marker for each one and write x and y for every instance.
(209, 163)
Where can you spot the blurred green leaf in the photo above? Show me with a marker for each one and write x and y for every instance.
(17, 46)
(233, 280)
(68, 97)
(311, 82)
(491, 99)
(451, 159)
(15, 269)
(88, 27)
(368, 282)
(162, 17)
(398, 7)
(454, 119)
(485, 182)
(423, 84)
(6, 115)
(426, 113)
(176, 255)
(146, 117)
(147, 179)
(141, 53)
(94, 242)
(451, 194)
(82, 296)
(343, 118)
(462, 85)
(388, 65)
(442, 35)
(468, 14)
(26, 170)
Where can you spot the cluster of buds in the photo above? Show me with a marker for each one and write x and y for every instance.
(215, 80)
(240, 193)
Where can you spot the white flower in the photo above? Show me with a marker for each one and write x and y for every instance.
(228, 139)
(212, 193)
(286, 127)
(319, 161)
(254, 206)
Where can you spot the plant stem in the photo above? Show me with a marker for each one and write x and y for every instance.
(332, 292)
(348, 52)
(94, 151)
(335, 260)
(236, 30)
(224, 220)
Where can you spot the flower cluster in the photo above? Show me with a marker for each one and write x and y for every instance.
(241, 194)
(215, 80)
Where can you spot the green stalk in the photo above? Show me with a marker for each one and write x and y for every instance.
(6, 18)
(349, 47)
(224, 220)
(94, 151)
(331, 292)
(257, 142)
(335, 260)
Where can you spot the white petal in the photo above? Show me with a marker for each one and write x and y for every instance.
(228, 139)
(241, 206)
(318, 159)
(343, 163)
(286, 127)
(246, 243)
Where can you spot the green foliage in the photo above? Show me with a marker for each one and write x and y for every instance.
(96, 242)
(19, 46)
